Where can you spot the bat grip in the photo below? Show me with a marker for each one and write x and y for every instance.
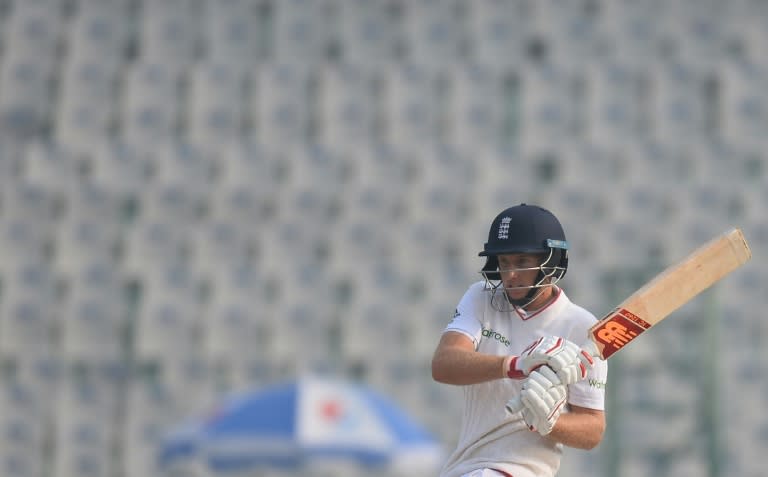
(515, 404)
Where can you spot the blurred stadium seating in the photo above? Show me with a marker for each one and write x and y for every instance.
(198, 196)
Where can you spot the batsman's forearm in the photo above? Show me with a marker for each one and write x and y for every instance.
(580, 430)
(463, 367)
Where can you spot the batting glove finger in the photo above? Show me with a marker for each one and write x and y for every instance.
(544, 404)
(530, 419)
(539, 353)
(540, 416)
(572, 363)
(543, 378)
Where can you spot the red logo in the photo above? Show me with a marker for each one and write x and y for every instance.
(331, 410)
(620, 328)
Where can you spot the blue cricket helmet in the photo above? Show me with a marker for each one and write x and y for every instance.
(526, 229)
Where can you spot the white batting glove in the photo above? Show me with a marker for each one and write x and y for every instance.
(566, 359)
(543, 398)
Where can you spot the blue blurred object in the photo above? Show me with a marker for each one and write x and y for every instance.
(303, 422)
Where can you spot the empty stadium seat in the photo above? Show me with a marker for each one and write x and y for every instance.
(99, 34)
(34, 30)
(84, 426)
(279, 103)
(28, 327)
(364, 36)
(476, 105)
(167, 329)
(409, 94)
(345, 103)
(499, 33)
(93, 328)
(22, 430)
(216, 113)
(84, 238)
(613, 99)
(147, 116)
(25, 100)
(25, 238)
(233, 34)
(221, 243)
(87, 110)
(120, 166)
(431, 33)
(169, 33)
(547, 105)
(300, 32)
(151, 244)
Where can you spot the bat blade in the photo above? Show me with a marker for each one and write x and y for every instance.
(668, 291)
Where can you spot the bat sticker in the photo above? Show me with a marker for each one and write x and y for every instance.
(617, 329)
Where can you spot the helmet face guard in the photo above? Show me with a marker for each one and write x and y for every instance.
(524, 229)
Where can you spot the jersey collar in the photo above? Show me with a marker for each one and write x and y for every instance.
(553, 304)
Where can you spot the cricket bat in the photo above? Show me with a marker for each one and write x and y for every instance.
(666, 292)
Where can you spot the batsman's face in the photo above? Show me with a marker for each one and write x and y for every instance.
(519, 272)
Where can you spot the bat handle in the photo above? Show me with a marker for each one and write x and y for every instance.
(515, 404)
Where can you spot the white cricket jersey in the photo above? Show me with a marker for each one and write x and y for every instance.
(491, 437)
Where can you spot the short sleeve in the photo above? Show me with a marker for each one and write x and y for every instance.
(467, 319)
(590, 392)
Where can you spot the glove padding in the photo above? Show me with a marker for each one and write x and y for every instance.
(566, 359)
(543, 398)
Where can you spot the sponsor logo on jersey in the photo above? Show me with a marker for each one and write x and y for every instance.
(456, 314)
(489, 333)
(594, 383)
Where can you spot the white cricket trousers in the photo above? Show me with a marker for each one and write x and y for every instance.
(486, 473)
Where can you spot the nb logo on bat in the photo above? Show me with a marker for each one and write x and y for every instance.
(620, 328)
(616, 334)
